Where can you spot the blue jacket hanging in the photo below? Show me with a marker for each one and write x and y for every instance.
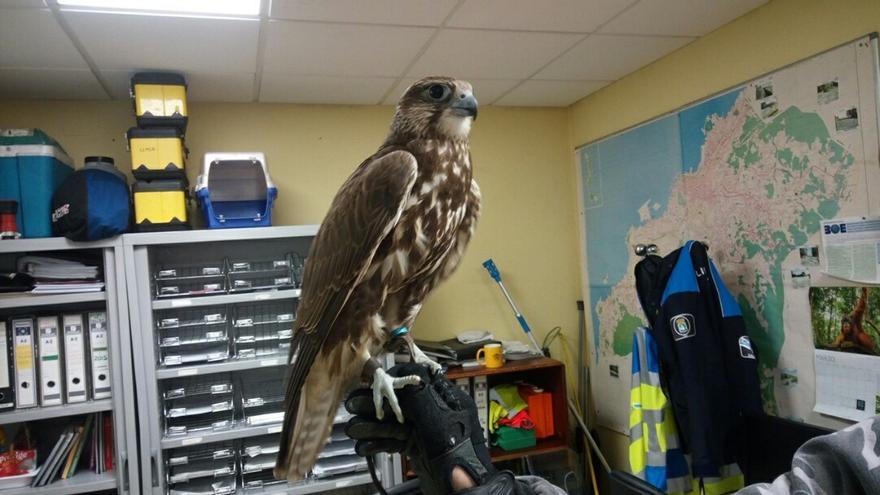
(709, 365)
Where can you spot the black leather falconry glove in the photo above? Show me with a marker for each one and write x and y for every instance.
(441, 429)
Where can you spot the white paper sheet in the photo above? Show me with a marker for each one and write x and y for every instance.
(852, 249)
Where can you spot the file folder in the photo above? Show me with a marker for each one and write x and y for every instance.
(7, 370)
(100, 355)
(49, 353)
(74, 357)
(25, 372)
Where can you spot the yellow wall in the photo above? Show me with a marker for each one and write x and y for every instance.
(521, 162)
(770, 37)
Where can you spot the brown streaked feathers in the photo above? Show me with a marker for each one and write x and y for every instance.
(396, 228)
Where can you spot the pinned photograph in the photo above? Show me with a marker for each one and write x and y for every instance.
(800, 277)
(846, 119)
(846, 319)
(809, 255)
(763, 89)
(769, 107)
(788, 377)
(827, 92)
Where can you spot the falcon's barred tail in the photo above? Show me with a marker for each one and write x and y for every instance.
(314, 422)
(310, 416)
(292, 403)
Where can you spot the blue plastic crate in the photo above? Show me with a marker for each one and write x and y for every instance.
(32, 166)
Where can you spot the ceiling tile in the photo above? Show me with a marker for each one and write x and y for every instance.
(409, 12)
(321, 49)
(35, 4)
(609, 57)
(126, 41)
(118, 82)
(486, 90)
(32, 38)
(549, 93)
(201, 86)
(207, 86)
(58, 84)
(528, 15)
(679, 17)
(490, 54)
(323, 89)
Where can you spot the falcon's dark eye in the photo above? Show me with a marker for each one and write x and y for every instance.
(438, 91)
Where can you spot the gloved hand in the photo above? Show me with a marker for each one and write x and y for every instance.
(440, 430)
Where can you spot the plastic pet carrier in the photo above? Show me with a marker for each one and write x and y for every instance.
(235, 190)
(159, 99)
(32, 166)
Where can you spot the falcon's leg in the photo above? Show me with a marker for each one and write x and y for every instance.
(383, 388)
(420, 357)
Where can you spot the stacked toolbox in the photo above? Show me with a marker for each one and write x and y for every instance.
(158, 152)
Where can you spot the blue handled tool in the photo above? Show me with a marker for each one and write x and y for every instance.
(496, 275)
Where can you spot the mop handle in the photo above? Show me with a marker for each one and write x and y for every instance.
(496, 275)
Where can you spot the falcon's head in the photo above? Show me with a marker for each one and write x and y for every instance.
(438, 107)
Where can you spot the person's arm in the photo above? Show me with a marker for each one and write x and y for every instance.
(847, 461)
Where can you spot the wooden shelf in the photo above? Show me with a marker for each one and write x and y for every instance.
(509, 367)
(545, 446)
(547, 373)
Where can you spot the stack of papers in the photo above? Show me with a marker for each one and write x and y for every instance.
(515, 350)
(57, 275)
(46, 267)
(66, 287)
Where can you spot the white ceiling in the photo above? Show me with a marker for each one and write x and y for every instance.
(514, 52)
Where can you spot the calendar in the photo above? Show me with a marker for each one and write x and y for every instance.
(847, 385)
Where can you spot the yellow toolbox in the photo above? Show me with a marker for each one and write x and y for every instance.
(157, 153)
(160, 205)
(159, 99)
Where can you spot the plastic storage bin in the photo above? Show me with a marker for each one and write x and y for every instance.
(235, 190)
(159, 99)
(157, 153)
(32, 166)
(160, 205)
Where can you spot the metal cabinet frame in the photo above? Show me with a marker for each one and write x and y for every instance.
(141, 305)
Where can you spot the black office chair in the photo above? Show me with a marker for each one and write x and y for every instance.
(623, 483)
(771, 444)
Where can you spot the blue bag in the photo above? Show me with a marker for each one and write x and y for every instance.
(93, 203)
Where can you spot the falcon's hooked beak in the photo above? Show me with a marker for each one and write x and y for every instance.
(465, 105)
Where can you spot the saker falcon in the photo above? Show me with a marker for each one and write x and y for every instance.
(396, 228)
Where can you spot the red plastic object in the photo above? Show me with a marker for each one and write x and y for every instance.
(540, 409)
(8, 226)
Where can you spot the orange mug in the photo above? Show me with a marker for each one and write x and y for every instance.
(494, 356)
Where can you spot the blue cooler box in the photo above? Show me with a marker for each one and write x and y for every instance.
(32, 166)
(235, 190)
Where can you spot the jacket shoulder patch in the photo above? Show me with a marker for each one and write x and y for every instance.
(682, 326)
(745, 348)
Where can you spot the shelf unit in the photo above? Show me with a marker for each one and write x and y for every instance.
(113, 300)
(547, 373)
(146, 255)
